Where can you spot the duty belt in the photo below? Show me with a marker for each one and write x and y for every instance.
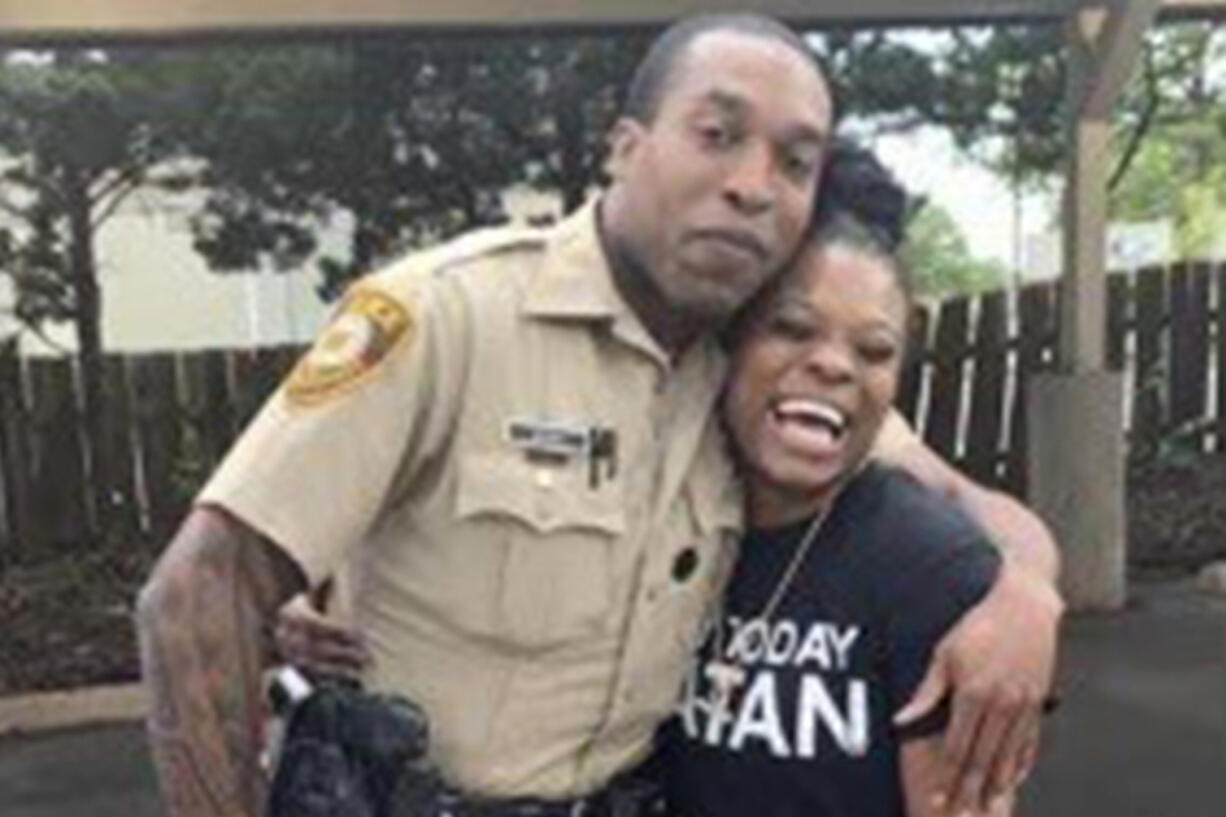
(623, 798)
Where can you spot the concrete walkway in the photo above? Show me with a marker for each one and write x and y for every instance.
(1142, 732)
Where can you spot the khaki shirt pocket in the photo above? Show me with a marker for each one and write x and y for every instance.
(555, 537)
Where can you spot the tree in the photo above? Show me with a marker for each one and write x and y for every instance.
(938, 260)
(79, 133)
(1000, 92)
(1002, 96)
(416, 140)
(1177, 171)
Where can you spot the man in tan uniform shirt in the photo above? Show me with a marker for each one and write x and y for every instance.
(511, 440)
(538, 600)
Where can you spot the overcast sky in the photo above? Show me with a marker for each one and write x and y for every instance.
(982, 204)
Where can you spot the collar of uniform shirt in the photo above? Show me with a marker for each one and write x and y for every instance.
(566, 288)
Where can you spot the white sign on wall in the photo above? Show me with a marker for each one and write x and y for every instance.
(1139, 244)
(1130, 246)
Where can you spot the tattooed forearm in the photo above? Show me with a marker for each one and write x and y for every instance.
(201, 624)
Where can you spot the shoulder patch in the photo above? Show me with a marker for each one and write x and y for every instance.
(368, 325)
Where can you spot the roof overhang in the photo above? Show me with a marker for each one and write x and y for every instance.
(69, 20)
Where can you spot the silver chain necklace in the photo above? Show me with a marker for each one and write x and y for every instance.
(728, 675)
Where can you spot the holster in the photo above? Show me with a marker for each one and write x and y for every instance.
(347, 751)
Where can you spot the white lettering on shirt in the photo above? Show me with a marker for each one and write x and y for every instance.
(759, 717)
(848, 727)
(831, 707)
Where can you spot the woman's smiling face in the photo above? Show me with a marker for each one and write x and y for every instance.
(816, 370)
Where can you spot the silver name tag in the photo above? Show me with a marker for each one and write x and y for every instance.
(549, 438)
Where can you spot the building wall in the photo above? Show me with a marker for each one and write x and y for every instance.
(158, 293)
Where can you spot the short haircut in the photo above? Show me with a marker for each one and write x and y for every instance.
(653, 75)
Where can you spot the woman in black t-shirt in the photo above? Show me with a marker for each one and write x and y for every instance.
(851, 573)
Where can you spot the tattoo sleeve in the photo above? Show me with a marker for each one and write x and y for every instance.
(201, 622)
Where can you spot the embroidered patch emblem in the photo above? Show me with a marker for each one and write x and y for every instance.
(367, 326)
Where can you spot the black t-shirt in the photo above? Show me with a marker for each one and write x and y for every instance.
(808, 730)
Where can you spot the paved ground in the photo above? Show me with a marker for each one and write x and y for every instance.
(1142, 732)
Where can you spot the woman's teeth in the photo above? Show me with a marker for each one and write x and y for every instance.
(812, 413)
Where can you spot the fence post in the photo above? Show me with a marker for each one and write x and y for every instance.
(1149, 376)
(57, 461)
(120, 516)
(1036, 330)
(988, 390)
(1119, 318)
(912, 378)
(945, 404)
(156, 411)
(1189, 348)
(14, 453)
(1220, 328)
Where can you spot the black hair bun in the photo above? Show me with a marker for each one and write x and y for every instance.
(854, 182)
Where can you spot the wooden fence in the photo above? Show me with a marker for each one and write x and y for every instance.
(966, 386)
(169, 417)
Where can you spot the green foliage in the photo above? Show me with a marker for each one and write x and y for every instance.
(1002, 97)
(417, 140)
(938, 260)
(1001, 93)
(79, 132)
(1177, 170)
(998, 91)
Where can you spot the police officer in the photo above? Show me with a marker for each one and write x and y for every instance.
(510, 440)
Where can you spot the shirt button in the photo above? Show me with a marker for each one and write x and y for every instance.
(684, 565)
(544, 479)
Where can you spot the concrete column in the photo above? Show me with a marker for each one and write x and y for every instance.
(1077, 446)
(1077, 481)
(1083, 301)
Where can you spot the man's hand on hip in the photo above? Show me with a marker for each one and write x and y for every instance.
(310, 640)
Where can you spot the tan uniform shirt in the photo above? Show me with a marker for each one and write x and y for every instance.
(543, 616)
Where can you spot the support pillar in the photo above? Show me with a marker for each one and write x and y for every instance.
(1077, 446)
(1076, 451)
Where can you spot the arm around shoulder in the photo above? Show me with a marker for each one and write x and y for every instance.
(999, 659)
(1018, 532)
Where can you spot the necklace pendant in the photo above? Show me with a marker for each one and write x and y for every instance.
(725, 679)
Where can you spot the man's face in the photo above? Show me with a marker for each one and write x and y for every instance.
(716, 191)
